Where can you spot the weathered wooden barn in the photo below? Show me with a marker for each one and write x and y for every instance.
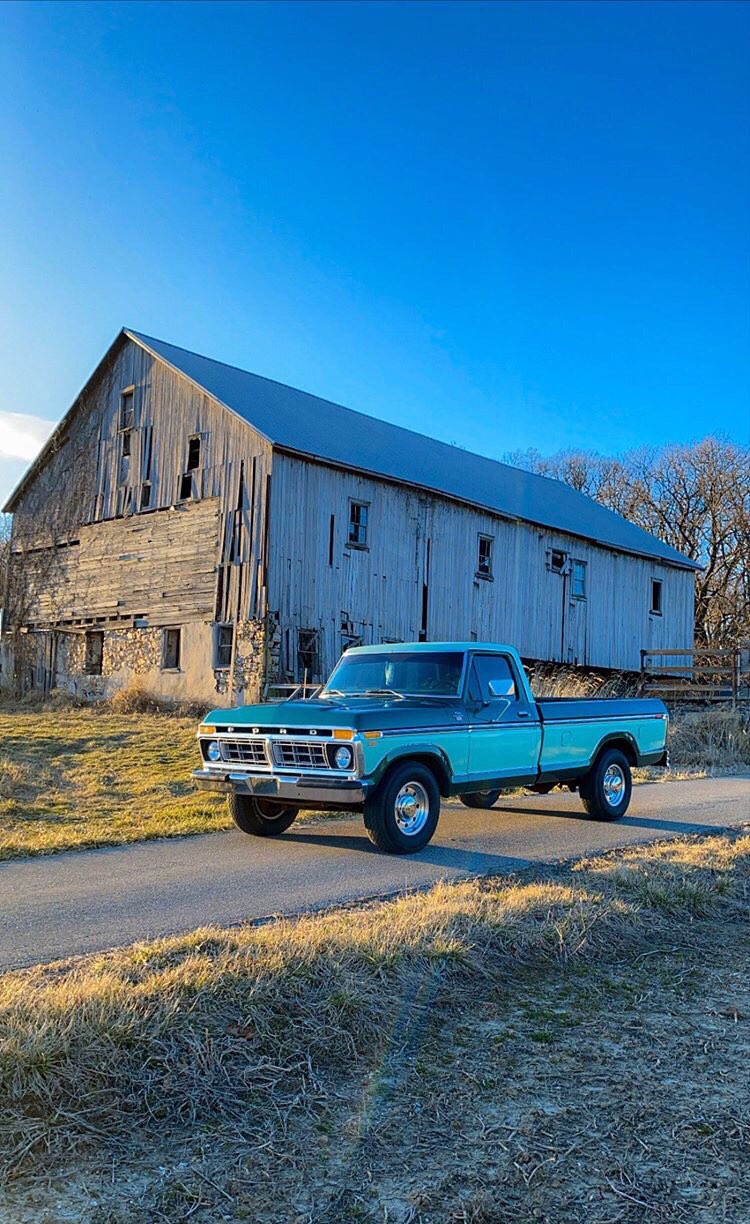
(208, 531)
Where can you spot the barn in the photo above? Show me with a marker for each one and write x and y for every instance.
(208, 533)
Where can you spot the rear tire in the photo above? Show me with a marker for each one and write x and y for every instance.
(402, 815)
(480, 799)
(605, 791)
(260, 817)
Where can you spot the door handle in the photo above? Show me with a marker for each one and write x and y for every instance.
(522, 713)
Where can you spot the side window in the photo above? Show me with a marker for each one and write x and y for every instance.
(484, 557)
(94, 653)
(578, 580)
(656, 597)
(170, 650)
(494, 678)
(127, 409)
(358, 513)
(223, 646)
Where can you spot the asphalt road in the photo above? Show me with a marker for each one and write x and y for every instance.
(82, 902)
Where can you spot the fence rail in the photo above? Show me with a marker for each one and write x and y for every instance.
(704, 675)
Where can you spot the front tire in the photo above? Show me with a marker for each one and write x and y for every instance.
(480, 799)
(402, 815)
(260, 817)
(605, 791)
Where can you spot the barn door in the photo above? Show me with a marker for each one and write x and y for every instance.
(569, 628)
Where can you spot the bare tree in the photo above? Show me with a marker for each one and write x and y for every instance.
(694, 497)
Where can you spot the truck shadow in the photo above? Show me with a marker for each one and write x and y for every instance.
(639, 822)
(456, 857)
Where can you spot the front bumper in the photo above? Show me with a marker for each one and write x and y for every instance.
(308, 792)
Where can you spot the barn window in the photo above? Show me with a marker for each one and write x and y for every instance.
(194, 454)
(358, 524)
(94, 653)
(556, 560)
(170, 649)
(127, 408)
(186, 486)
(223, 642)
(656, 597)
(146, 495)
(578, 580)
(127, 435)
(308, 653)
(484, 558)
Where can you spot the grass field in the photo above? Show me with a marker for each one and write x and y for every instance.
(71, 778)
(569, 1047)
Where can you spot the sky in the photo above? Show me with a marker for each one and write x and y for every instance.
(508, 225)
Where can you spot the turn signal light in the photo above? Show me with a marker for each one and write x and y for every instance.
(343, 733)
(203, 730)
(372, 734)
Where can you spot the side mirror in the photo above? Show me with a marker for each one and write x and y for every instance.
(501, 688)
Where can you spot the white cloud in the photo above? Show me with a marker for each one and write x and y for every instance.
(22, 436)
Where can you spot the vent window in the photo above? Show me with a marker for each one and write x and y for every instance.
(484, 557)
(171, 649)
(94, 653)
(358, 514)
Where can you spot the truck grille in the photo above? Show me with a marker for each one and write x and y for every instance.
(301, 753)
(245, 752)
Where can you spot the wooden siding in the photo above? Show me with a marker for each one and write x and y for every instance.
(88, 481)
(418, 540)
(159, 566)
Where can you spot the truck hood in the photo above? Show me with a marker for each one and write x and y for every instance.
(357, 713)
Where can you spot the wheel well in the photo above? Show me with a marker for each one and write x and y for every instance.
(431, 762)
(623, 744)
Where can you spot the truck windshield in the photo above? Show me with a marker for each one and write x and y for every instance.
(397, 673)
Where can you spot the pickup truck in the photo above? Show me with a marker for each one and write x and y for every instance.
(398, 727)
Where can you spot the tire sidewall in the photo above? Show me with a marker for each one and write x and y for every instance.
(400, 842)
(480, 799)
(247, 815)
(611, 756)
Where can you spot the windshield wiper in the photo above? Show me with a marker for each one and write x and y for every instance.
(383, 692)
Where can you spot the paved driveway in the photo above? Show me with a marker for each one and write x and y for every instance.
(81, 902)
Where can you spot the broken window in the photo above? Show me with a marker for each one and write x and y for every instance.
(308, 653)
(127, 436)
(556, 560)
(194, 454)
(94, 653)
(224, 640)
(186, 486)
(358, 524)
(656, 597)
(484, 560)
(171, 649)
(578, 580)
(127, 408)
(145, 495)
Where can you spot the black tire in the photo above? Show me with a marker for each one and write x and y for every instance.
(609, 778)
(384, 827)
(260, 817)
(480, 799)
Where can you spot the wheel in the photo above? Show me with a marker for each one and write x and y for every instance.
(261, 817)
(605, 791)
(402, 815)
(480, 799)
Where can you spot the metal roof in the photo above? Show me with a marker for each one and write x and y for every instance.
(297, 421)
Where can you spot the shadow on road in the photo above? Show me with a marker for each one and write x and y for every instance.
(642, 822)
(454, 857)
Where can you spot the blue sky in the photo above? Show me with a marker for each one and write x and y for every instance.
(508, 225)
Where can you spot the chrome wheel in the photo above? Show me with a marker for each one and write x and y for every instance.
(411, 808)
(613, 785)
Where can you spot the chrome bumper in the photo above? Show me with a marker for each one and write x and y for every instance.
(306, 791)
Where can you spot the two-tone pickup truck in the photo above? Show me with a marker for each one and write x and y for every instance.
(398, 727)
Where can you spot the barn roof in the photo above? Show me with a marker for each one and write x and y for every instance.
(297, 421)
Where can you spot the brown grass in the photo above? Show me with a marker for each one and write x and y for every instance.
(540, 1048)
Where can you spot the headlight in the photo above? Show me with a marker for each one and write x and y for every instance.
(343, 758)
(213, 752)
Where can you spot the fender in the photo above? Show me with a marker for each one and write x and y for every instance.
(617, 737)
(410, 751)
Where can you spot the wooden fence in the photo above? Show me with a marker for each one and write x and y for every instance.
(704, 675)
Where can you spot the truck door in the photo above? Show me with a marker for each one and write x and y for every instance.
(505, 732)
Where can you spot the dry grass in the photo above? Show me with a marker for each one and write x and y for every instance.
(564, 1048)
(82, 777)
(710, 738)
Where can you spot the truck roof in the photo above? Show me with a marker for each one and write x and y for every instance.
(429, 647)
